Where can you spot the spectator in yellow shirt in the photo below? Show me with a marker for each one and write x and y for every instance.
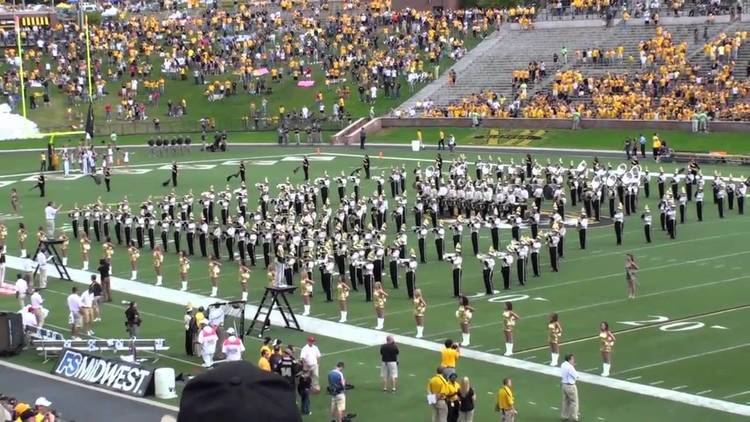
(437, 388)
(263, 362)
(655, 145)
(506, 402)
(449, 357)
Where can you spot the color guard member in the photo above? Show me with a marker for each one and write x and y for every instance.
(158, 260)
(380, 297)
(184, 269)
(607, 341)
(343, 295)
(306, 289)
(244, 278)
(214, 269)
(509, 322)
(134, 254)
(464, 315)
(554, 330)
(85, 248)
(420, 306)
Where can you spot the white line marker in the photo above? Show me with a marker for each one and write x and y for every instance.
(680, 359)
(477, 346)
(529, 358)
(633, 378)
(656, 383)
(600, 418)
(412, 375)
(532, 403)
(700, 393)
(736, 395)
(554, 408)
(591, 369)
(679, 387)
(494, 349)
(719, 327)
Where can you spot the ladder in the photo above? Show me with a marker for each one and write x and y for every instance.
(274, 297)
(49, 245)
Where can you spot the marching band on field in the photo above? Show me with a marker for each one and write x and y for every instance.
(296, 229)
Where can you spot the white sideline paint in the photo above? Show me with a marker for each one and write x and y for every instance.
(370, 337)
(736, 395)
(15, 367)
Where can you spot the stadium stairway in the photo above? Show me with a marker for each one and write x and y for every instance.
(491, 63)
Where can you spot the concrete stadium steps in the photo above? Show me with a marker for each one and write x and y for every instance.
(491, 63)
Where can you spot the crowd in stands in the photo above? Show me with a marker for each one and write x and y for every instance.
(667, 86)
(14, 410)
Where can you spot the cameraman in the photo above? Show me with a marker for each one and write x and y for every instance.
(337, 390)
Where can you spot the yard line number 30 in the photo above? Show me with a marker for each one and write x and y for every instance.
(661, 319)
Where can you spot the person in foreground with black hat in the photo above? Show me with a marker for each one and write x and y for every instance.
(237, 391)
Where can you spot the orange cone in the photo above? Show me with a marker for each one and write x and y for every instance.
(380, 154)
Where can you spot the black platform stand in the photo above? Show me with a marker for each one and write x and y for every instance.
(56, 259)
(274, 297)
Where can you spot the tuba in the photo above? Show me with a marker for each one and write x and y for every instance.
(611, 180)
(596, 182)
(581, 167)
(429, 171)
(621, 169)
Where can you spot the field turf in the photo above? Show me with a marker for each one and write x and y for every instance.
(684, 332)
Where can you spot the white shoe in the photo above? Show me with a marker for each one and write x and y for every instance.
(212, 295)
(463, 344)
(183, 289)
(90, 333)
(340, 320)
(132, 278)
(97, 320)
(306, 314)
(419, 336)
(552, 365)
(604, 374)
(76, 338)
(378, 328)
(507, 354)
(159, 283)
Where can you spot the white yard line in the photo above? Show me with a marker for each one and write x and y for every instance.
(369, 337)
(682, 358)
(146, 165)
(656, 383)
(679, 387)
(700, 393)
(634, 378)
(731, 396)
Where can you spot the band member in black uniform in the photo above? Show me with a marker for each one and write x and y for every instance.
(674, 185)
(241, 241)
(457, 262)
(306, 168)
(40, 183)
(242, 170)
(97, 225)
(164, 233)
(202, 233)
(553, 238)
(128, 229)
(488, 266)
(174, 174)
(421, 235)
(720, 192)
(118, 228)
(699, 204)
(215, 235)
(176, 236)
(190, 235)
(394, 254)
(647, 184)
(439, 240)
(741, 192)
(522, 255)
(505, 260)
(140, 226)
(646, 217)
(108, 178)
(536, 246)
(74, 214)
(411, 274)
(583, 225)
(366, 166)
(151, 223)
(619, 221)
(229, 241)
(661, 179)
(251, 242)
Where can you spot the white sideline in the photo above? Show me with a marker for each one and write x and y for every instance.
(369, 337)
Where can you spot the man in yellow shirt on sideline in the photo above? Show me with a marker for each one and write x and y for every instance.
(437, 389)
(655, 145)
(449, 357)
(506, 402)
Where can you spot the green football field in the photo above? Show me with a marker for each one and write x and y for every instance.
(682, 339)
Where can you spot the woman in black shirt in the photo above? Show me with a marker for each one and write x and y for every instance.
(104, 277)
(132, 320)
(466, 399)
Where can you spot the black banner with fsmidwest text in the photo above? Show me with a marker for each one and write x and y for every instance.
(112, 374)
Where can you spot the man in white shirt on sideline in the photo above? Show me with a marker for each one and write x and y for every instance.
(310, 357)
(41, 262)
(50, 212)
(22, 289)
(232, 347)
(37, 309)
(74, 307)
(569, 376)
(87, 311)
